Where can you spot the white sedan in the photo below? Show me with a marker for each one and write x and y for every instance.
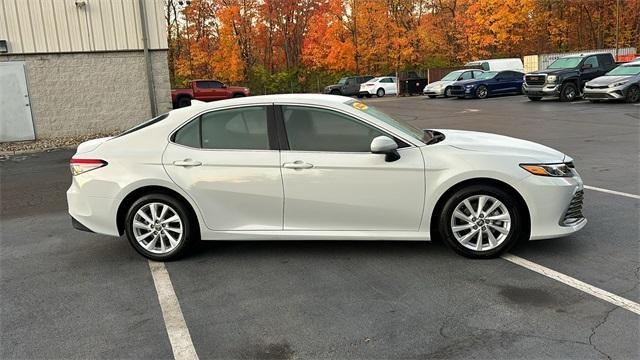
(318, 167)
(379, 86)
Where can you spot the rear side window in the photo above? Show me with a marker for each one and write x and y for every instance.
(233, 129)
(145, 124)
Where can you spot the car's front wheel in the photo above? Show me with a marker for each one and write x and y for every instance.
(568, 92)
(481, 221)
(482, 92)
(633, 94)
(159, 227)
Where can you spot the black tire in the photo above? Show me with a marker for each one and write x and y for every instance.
(594, 101)
(380, 92)
(368, 96)
(447, 92)
(238, 95)
(183, 102)
(534, 98)
(517, 230)
(431, 96)
(482, 92)
(633, 94)
(190, 229)
(335, 92)
(568, 92)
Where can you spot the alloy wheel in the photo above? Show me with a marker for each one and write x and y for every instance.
(157, 228)
(480, 222)
(482, 92)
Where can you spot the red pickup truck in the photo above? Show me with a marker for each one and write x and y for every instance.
(205, 90)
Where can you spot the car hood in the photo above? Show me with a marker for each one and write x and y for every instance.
(553, 71)
(500, 144)
(470, 82)
(607, 80)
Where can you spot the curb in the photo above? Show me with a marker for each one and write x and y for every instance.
(34, 151)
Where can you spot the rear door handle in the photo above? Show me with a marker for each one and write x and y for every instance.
(187, 163)
(297, 165)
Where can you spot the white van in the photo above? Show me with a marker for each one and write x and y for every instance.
(514, 64)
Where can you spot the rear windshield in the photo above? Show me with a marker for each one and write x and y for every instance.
(145, 124)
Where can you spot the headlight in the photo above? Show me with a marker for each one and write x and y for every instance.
(469, 86)
(618, 84)
(552, 78)
(554, 170)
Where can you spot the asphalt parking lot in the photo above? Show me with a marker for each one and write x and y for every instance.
(70, 294)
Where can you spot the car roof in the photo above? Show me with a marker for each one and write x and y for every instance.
(583, 55)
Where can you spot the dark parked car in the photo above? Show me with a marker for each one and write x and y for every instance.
(205, 90)
(489, 83)
(349, 85)
(565, 78)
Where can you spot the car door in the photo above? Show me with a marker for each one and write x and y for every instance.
(589, 70)
(226, 162)
(332, 182)
(389, 85)
(218, 90)
(498, 84)
(204, 91)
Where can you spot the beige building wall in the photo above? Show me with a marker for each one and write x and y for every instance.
(85, 65)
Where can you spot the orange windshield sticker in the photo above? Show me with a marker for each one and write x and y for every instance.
(360, 106)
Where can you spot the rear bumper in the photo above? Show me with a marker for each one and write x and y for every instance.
(78, 225)
(367, 92)
(92, 213)
(541, 90)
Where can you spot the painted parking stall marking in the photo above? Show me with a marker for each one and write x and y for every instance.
(613, 192)
(575, 283)
(177, 330)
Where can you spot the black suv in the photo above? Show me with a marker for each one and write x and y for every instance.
(349, 85)
(565, 77)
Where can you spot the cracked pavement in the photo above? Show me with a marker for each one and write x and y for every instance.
(69, 294)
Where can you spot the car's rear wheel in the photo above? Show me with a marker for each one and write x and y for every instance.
(568, 92)
(481, 221)
(633, 94)
(482, 92)
(184, 102)
(380, 92)
(159, 227)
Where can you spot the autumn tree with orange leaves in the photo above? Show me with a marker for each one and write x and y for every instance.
(301, 45)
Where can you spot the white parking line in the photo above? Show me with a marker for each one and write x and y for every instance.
(575, 283)
(177, 330)
(633, 196)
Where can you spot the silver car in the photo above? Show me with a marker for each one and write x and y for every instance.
(443, 87)
(621, 83)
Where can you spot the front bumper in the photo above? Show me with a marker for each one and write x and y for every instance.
(433, 91)
(607, 93)
(541, 90)
(555, 205)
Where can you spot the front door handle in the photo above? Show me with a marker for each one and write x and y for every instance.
(297, 165)
(187, 163)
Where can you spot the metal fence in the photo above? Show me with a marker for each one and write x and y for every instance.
(542, 61)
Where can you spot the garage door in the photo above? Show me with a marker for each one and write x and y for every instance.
(15, 108)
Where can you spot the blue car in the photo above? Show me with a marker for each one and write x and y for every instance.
(489, 83)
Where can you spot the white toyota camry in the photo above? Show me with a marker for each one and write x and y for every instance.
(318, 167)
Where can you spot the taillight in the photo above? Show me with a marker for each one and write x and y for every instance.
(79, 166)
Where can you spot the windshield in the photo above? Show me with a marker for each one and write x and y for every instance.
(565, 63)
(342, 81)
(452, 76)
(625, 70)
(488, 75)
(404, 128)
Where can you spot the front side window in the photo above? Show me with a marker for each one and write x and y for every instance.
(476, 74)
(314, 129)
(234, 129)
(488, 75)
(592, 60)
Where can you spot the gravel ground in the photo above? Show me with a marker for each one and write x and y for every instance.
(10, 148)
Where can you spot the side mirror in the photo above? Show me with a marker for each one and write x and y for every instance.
(586, 66)
(385, 145)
